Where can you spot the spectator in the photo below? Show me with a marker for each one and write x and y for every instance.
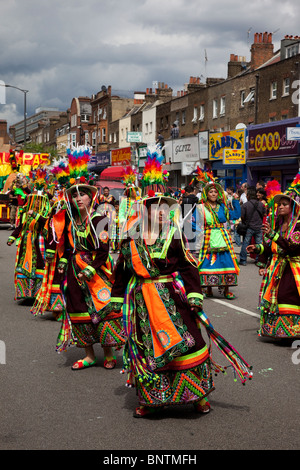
(188, 208)
(252, 213)
(260, 185)
(243, 197)
(174, 131)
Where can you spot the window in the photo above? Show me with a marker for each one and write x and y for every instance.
(194, 120)
(183, 117)
(222, 106)
(103, 135)
(243, 96)
(201, 112)
(85, 118)
(93, 139)
(215, 109)
(250, 98)
(286, 87)
(273, 91)
(292, 50)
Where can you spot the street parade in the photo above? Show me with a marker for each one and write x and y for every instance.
(133, 275)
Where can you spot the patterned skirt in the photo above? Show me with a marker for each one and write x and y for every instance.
(217, 269)
(177, 387)
(27, 287)
(109, 332)
(279, 326)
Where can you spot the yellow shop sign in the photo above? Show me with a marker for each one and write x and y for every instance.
(233, 157)
(231, 140)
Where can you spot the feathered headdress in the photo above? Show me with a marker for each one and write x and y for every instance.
(129, 177)
(154, 178)
(207, 180)
(272, 188)
(61, 173)
(39, 178)
(78, 165)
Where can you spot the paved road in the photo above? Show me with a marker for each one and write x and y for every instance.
(46, 406)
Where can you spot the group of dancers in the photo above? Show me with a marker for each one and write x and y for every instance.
(149, 302)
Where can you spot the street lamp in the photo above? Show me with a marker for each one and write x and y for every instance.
(23, 91)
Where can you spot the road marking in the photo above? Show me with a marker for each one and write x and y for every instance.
(239, 309)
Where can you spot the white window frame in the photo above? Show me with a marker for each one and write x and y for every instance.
(201, 112)
(273, 90)
(195, 117)
(250, 97)
(222, 106)
(286, 86)
(243, 95)
(215, 109)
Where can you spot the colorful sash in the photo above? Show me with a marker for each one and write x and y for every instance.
(164, 333)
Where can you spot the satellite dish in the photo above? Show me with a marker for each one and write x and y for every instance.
(104, 89)
(240, 125)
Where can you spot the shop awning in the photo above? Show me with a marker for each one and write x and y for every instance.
(112, 173)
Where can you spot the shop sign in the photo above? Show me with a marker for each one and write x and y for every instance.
(121, 157)
(271, 141)
(234, 157)
(134, 137)
(103, 158)
(203, 145)
(32, 159)
(293, 133)
(220, 141)
(182, 150)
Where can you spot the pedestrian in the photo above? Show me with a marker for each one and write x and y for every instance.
(157, 281)
(252, 214)
(217, 262)
(279, 261)
(86, 269)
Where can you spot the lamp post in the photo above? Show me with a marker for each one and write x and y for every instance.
(23, 91)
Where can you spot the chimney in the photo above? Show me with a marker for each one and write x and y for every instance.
(261, 49)
(235, 65)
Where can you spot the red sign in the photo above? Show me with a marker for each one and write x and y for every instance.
(32, 159)
(121, 157)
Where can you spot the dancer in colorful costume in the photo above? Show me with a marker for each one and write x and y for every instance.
(217, 264)
(30, 256)
(157, 280)
(49, 297)
(87, 268)
(279, 262)
(128, 202)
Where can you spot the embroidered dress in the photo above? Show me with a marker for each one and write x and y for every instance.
(217, 261)
(280, 289)
(85, 319)
(166, 354)
(30, 256)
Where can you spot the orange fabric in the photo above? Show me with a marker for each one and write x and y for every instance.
(59, 223)
(99, 290)
(164, 332)
(27, 263)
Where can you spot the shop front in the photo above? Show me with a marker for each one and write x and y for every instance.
(229, 171)
(271, 155)
(182, 158)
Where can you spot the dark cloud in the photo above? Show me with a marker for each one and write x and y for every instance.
(58, 50)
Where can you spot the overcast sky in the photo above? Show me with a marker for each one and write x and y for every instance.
(58, 49)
